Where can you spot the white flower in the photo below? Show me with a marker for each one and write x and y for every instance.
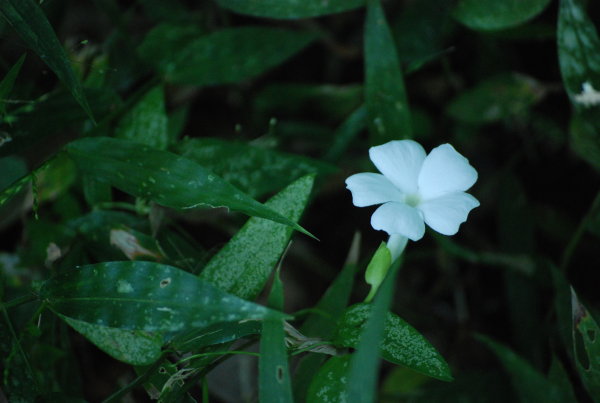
(415, 189)
(588, 95)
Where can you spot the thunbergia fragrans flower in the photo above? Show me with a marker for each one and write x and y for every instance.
(415, 189)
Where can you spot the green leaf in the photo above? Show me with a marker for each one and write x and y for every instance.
(491, 15)
(496, 98)
(163, 177)
(578, 52)
(346, 133)
(290, 8)
(244, 264)
(28, 19)
(322, 322)
(145, 296)
(419, 30)
(133, 347)
(255, 170)
(13, 168)
(584, 131)
(377, 269)
(220, 333)
(557, 375)
(274, 384)
(7, 83)
(42, 125)
(234, 54)
(402, 344)
(387, 105)
(328, 102)
(161, 44)
(146, 123)
(587, 356)
(530, 384)
(328, 383)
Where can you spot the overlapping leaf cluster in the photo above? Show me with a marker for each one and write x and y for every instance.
(122, 142)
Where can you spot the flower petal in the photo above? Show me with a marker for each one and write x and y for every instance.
(445, 171)
(400, 161)
(368, 188)
(445, 213)
(399, 218)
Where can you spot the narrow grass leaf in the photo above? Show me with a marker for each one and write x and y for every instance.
(387, 104)
(145, 296)
(290, 8)
(490, 15)
(8, 82)
(274, 383)
(586, 347)
(243, 266)
(146, 122)
(29, 21)
(133, 347)
(234, 54)
(530, 384)
(364, 366)
(165, 178)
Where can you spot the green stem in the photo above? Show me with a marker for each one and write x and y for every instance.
(572, 245)
(23, 299)
(137, 381)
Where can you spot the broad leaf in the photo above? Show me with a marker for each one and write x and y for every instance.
(28, 19)
(145, 296)
(578, 54)
(290, 8)
(255, 170)
(163, 177)
(500, 97)
(146, 123)
(328, 383)
(243, 266)
(387, 105)
(133, 347)
(196, 339)
(530, 384)
(489, 15)
(234, 54)
(402, 344)
(586, 347)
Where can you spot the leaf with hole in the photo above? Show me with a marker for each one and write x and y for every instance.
(145, 296)
(586, 347)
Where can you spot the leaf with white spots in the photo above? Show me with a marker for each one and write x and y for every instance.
(254, 170)
(243, 266)
(401, 345)
(134, 347)
(163, 177)
(579, 54)
(147, 122)
(329, 383)
(145, 296)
